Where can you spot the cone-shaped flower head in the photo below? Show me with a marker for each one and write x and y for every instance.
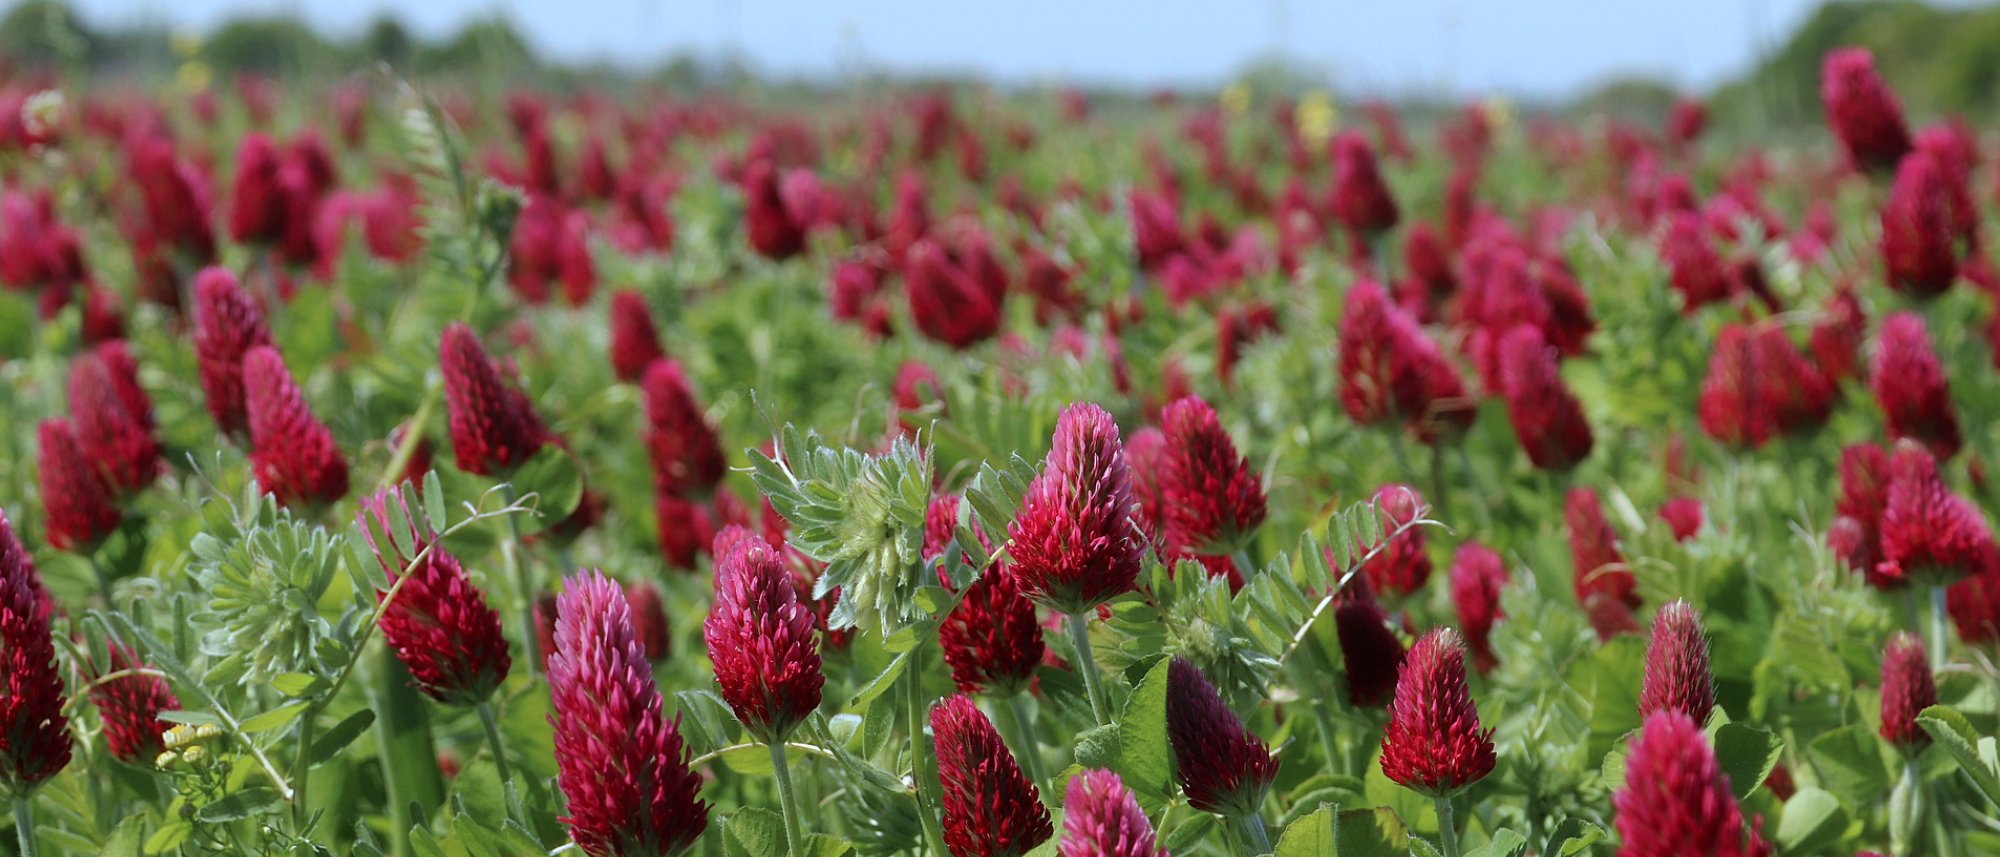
(1676, 800)
(114, 417)
(1862, 111)
(1855, 533)
(992, 640)
(291, 452)
(227, 324)
(1759, 387)
(1074, 543)
(1677, 675)
(1920, 252)
(1604, 587)
(1907, 689)
(1369, 647)
(494, 428)
(130, 705)
(1101, 819)
(1974, 605)
(1930, 536)
(1477, 576)
(990, 809)
(621, 764)
(1433, 744)
(34, 734)
(1403, 566)
(687, 457)
(1221, 766)
(649, 620)
(1909, 384)
(635, 344)
(1547, 420)
(947, 302)
(763, 641)
(76, 500)
(439, 624)
(1215, 502)
(1361, 200)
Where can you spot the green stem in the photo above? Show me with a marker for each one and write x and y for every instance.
(493, 743)
(1251, 828)
(1245, 566)
(1026, 749)
(103, 580)
(1939, 636)
(510, 553)
(302, 769)
(794, 835)
(1447, 830)
(24, 826)
(1086, 666)
(921, 754)
(1440, 489)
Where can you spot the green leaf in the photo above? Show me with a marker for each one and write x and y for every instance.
(297, 685)
(1571, 836)
(1311, 836)
(1135, 746)
(823, 845)
(753, 832)
(1812, 820)
(239, 805)
(1374, 832)
(1849, 760)
(169, 837)
(333, 740)
(1184, 836)
(276, 718)
(1505, 843)
(553, 477)
(434, 506)
(1747, 754)
(191, 718)
(127, 838)
(1975, 755)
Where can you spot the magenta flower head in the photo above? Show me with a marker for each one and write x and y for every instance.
(114, 417)
(1909, 384)
(687, 457)
(130, 705)
(1361, 200)
(76, 500)
(438, 622)
(635, 344)
(227, 324)
(1862, 111)
(1547, 420)
(1101, 819)
(1477, 575)
(37, 743)
(1676, 800)
(763, 641)
(1920, 251)
(1214, 500)
(1403, 566)
(291, 452)
(1433, 744)
(649, 620)
(1369, 647)
(1907, 689)
(1222, 767)
(1930, 536)
(1604, 587)
(494, 428)
(990, 808)
(1074, 543)
(992, 640)
(1677, 675)
(620, 762)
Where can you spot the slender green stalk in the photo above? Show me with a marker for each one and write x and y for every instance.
(1255, 840)
(103, 580)
(922, 755)
(795, 838)
(1026, 749)
(302, 769)
(1939, 636)
(1440, 489)
(510, 553)
(1086, 666)
(1447, 830)
(493, 742)
(1244, 564)
(24, 826)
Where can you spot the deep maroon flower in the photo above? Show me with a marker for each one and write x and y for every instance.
(1677, 675)
(1403, 566)
(773, 229)
(1683, 516)
(227, 324)
(1909, 384)
(1222, 767)
(1697, 271)
(1974, 605)
(1604, 586)
(291, 452)
(1369, 647)
(649, 620)
(763, 642)
(258, 207)
(635, 344)
(1361, 200)
(1920, 252)
(1838, 336)
(947, 303)
(1214, 500)
(1391, 370)
(1930, 536)
(1759, 387)
(1685, 122)
(438, 622)
(103, 395)
(1433, 744)
(1907, 689)
(992, 640)
(1548, 422)
(1862, 111)
(686, 529)
(545, 628)
(76, 499)
(1074, 542)
(494, 428)
(1855, 534)
(1676, 800)
(990, 808)
(620, 762)
(130, 706)
(687, 458)
(1101, 819)
(37, 740)
(1477, 576)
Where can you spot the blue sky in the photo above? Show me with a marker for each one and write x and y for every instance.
(1519, 47)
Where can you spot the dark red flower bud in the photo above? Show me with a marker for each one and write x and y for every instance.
(1930, 536)
(1676, 800)
(769, 224)
(1974, 605)
(227, 324)
(1433, 744)
(1222, 767)
(494, 428)
(258, 207)
(649, 620)
(1920, 251)
(635, 344)
(438, 622)
(130, 706)
(1862, 111)
(1074, 542)
(686, 529)
(31, 700)
(992, 640)
(1677, 675)
(1686, 122)
(1214, 500)
(990, 808)
(291, 452)
(1102, 819)
(1683, 516)
(687, 458)
(946, 302)
(1548, 422)
(1361, 200)
(761, 638)
(1403, 567)
(620, 762)
(1369, 647)
(1477, 576)
(114, 417)
(1909, 384)
(1390, 370)
(75, 496)
(1907, 689)
(1838, 336)
(1604, 586)
(1759, 387)
(1697, 270)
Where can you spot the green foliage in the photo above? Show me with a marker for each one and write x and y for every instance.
(263, 573)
